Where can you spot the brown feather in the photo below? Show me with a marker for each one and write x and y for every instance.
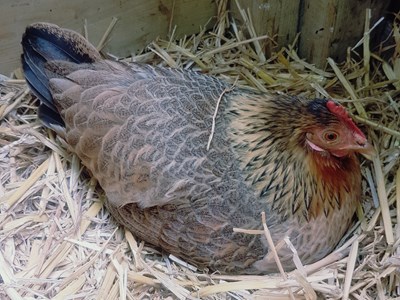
(143, 132)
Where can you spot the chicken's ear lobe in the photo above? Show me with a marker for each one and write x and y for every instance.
(341, 113)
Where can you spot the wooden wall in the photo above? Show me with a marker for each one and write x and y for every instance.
(139, 23)
(327, 27)
(277, 18)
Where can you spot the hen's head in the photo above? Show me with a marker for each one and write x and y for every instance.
(335, 132)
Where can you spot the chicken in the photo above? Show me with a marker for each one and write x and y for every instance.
(184, 158)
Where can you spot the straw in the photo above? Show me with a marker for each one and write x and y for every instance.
(58, 241)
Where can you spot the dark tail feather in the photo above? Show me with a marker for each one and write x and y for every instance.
(44, 42)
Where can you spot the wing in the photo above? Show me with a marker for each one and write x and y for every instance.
(141, 130)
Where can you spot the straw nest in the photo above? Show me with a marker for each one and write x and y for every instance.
(58, 242)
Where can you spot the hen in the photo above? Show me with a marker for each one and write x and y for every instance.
(143, 131)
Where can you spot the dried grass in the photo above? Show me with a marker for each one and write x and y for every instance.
(58, 242)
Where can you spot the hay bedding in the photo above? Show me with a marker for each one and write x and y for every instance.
(58, 242)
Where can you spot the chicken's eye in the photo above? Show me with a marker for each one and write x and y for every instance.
(331, 136)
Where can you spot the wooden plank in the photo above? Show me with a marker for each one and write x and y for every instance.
(329, 27)
(317, 25)
(139, 23)
(277, 18)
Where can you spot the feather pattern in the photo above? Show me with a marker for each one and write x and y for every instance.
(143, 132)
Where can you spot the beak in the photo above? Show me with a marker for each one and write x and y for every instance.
(367, 150)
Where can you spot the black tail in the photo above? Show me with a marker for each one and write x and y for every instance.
(44, 42)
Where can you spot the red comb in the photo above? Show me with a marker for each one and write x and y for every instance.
(340, 112)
